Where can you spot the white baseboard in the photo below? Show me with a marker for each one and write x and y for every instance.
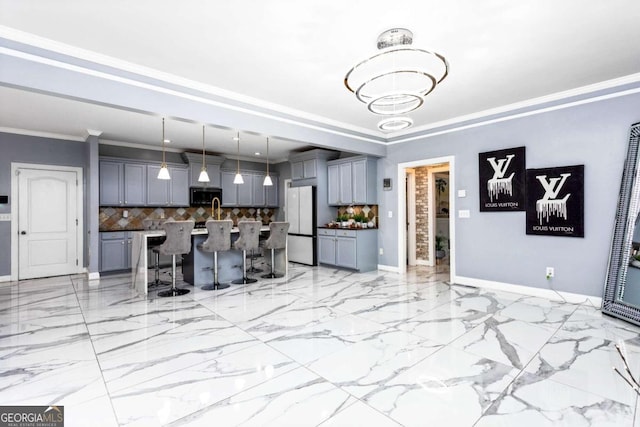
(93, 276)
(5, 279)
(390, 268)
(549, 294)
(423, 262)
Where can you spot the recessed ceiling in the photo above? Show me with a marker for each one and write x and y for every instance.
(291, 56)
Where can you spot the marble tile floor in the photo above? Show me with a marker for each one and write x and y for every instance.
(319, 347)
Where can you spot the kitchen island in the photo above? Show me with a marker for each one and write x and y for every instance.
(197, 266)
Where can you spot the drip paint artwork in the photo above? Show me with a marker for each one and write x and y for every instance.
(502, 180)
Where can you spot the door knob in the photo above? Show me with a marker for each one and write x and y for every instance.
(23, 232)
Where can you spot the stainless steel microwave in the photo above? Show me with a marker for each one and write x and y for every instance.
(203, 196)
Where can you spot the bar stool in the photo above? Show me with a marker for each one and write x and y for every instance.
(248, 240)
(219, 240)
(277, 240)
(153, 243)
(178, 243)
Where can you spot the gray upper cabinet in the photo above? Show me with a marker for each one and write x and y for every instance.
(297, 170)
(213, 169)
(134, 184)
(229, 189)
(172, 192)
(304, 166)
(259, 193)
(352, 181)
(122, 183)
(111, 181)
(271, 193)
(245, 191)
(250, 194)
(179, 186)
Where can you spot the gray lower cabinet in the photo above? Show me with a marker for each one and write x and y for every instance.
(354, 249)
(115, 250)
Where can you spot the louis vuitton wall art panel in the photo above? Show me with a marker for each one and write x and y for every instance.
(555, 201)
(502, 180)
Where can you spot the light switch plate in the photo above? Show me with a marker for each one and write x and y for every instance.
(5, 217)
(464, 213)
(462, 193)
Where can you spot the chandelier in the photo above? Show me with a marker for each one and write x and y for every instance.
(396, 80)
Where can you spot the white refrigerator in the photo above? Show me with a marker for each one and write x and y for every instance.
(301, 215)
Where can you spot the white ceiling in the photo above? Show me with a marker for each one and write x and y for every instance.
(291, 56)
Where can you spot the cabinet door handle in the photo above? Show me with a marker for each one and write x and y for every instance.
(122, 243)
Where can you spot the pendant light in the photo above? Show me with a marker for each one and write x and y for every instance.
(163, 173)
(204, 176)
(267, 179)
(238, 178)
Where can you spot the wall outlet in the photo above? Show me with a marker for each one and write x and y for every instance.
(464, 213)
(5, 217)
(125, 214)
(390, 214)
(550, 272)
(381, 251)
(462, 193)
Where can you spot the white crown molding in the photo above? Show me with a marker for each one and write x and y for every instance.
(535, 106)
(39, 134)
(108, 61)
(141, 146)
(92, 132)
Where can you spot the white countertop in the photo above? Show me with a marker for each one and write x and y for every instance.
(158, 233)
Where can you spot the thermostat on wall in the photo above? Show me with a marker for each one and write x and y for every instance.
(4, 199)
(386, 183)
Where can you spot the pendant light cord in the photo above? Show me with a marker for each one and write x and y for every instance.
(204, 164)
(163, 160)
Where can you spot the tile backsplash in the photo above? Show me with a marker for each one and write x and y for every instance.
(370, 211)
(112, 219)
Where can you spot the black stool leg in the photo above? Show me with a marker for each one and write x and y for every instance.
(215, 285)
(245, 280)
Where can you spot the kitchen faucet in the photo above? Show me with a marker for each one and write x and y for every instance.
(213, 206)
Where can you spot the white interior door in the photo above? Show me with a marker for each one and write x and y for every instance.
(47, 223)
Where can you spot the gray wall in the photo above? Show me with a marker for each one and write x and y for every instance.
(29, 149)
(494, 246)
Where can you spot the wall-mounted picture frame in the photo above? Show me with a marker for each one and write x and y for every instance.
(502, 175)
(555, 201)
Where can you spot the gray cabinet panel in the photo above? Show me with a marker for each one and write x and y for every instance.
(297, 170)
(258, 197)
(245, 191)
(359, 181)
(110, 183)
(346, 252)
(272, 193)
(352, 181)
(333, 181)
(344, 191)
(135, 176)
(309, 168)
(229, 189)
(179, 187)
(115, 251)
(327, 250)
(157, 189)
